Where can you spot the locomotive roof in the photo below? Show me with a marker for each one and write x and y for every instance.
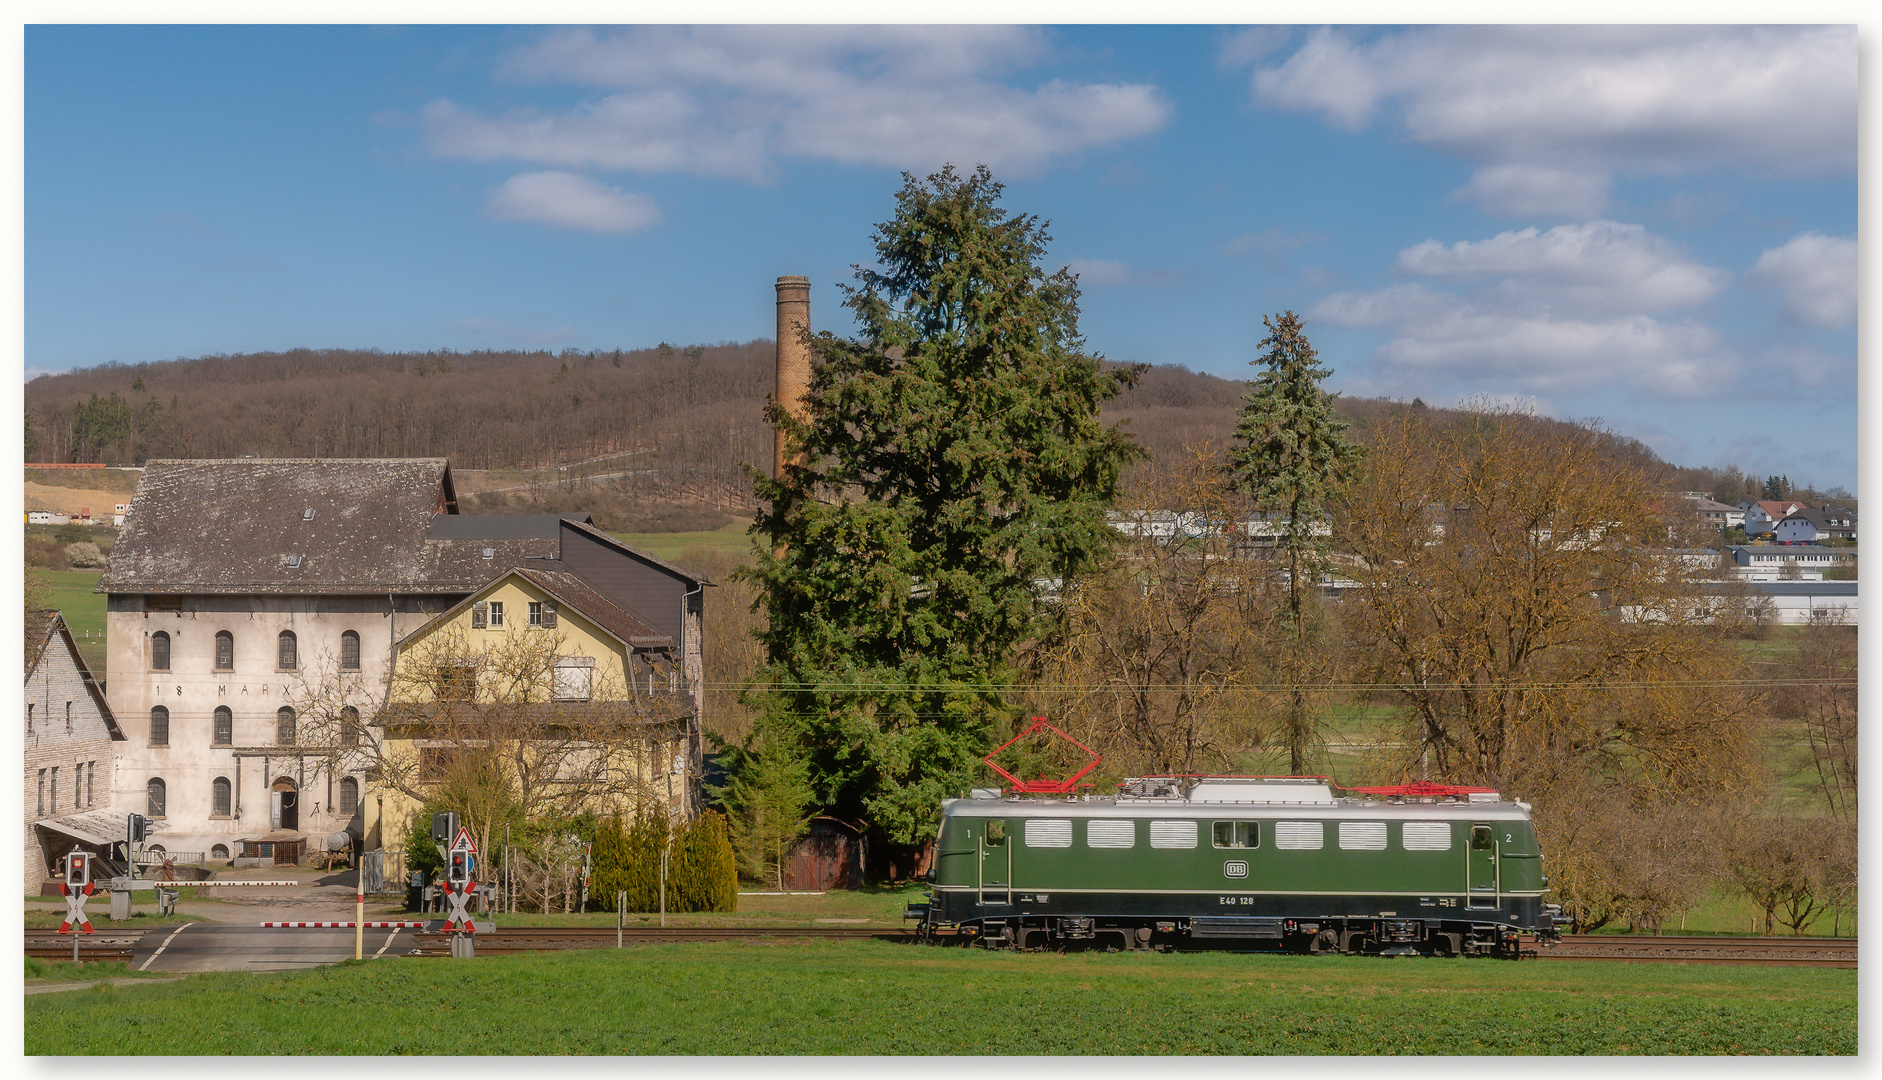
(1112, 806)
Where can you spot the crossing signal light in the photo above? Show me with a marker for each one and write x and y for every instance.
(460, 867)
(137, 828)
(77, 869)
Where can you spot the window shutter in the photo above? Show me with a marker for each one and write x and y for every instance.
(1048, 833)
(548, 613)
(480, 615)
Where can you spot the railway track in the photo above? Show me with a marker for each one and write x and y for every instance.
(554, 938)
(1771, 951)
(103, 945)
(1774, 951)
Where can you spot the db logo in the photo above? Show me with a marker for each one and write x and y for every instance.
(1236, 868)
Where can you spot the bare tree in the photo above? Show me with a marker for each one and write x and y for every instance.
(1793, 869)
(1510, 590)
(488, 731)
(1156, 662)
(1822, 695)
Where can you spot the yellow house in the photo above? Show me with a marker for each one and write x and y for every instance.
(537, 690)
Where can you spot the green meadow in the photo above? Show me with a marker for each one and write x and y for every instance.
(874, 998)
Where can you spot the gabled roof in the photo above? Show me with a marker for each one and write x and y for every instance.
(43, 628)
(570, 593)
(1822, 518)
(1776, 508)
(244, 526)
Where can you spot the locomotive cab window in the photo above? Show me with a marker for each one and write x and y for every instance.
(995, 833)
(1237, 834)
(1480, 838)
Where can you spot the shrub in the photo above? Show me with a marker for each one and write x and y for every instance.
(702, 872)
(84, 555)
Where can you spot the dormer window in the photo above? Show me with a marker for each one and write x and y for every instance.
(294, 561)
(307, 514)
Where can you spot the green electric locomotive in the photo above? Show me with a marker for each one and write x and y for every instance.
(1241, 863)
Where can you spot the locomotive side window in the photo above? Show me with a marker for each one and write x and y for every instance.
(995, 833)
(1044, 832)
(1362, 836)
(1426, 836)
(1172, 834)
(1110, 833)
(1300, 835)
(1237, 834)
(1480, 838)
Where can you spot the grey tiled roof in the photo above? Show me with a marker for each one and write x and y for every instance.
(242, 526)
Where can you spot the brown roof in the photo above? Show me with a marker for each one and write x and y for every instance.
(570, 593)
(573, 593)
(238, 526)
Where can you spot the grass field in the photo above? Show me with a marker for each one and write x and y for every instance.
(71, 592)
(720, 547)
(879, 998)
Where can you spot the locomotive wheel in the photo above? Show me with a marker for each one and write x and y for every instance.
(1324, 942)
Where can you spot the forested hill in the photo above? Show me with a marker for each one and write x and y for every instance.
(694, 414)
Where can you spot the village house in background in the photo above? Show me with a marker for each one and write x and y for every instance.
(70, 738)
(240, 588)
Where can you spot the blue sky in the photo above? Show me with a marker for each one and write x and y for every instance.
(1654, 226)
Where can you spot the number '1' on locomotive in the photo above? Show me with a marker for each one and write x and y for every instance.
(1241, 863)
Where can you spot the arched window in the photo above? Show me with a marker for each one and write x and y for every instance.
(160, 651)
(349, 651)
(349, 726)
(225, 651)
(219, 797)
(290, 653)
(284, 726)
(219, 851)
(349, 797)
(159, 726)
(225, 726)
(155, 798)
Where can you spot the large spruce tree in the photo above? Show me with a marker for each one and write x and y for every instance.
(1291, 456)
(952, 463)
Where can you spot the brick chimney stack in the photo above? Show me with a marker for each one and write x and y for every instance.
(793, 355)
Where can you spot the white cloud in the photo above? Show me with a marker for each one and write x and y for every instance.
(1817, 276)
(1537, 190)
(572, 202)
(1551, 112)
(1569, 310)
(1100, 273)
(731, 100)
(1598, 268)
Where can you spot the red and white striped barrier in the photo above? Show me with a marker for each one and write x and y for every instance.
(213, 884)
(348, 925)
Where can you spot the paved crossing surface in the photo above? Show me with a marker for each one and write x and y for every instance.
(233, 947)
